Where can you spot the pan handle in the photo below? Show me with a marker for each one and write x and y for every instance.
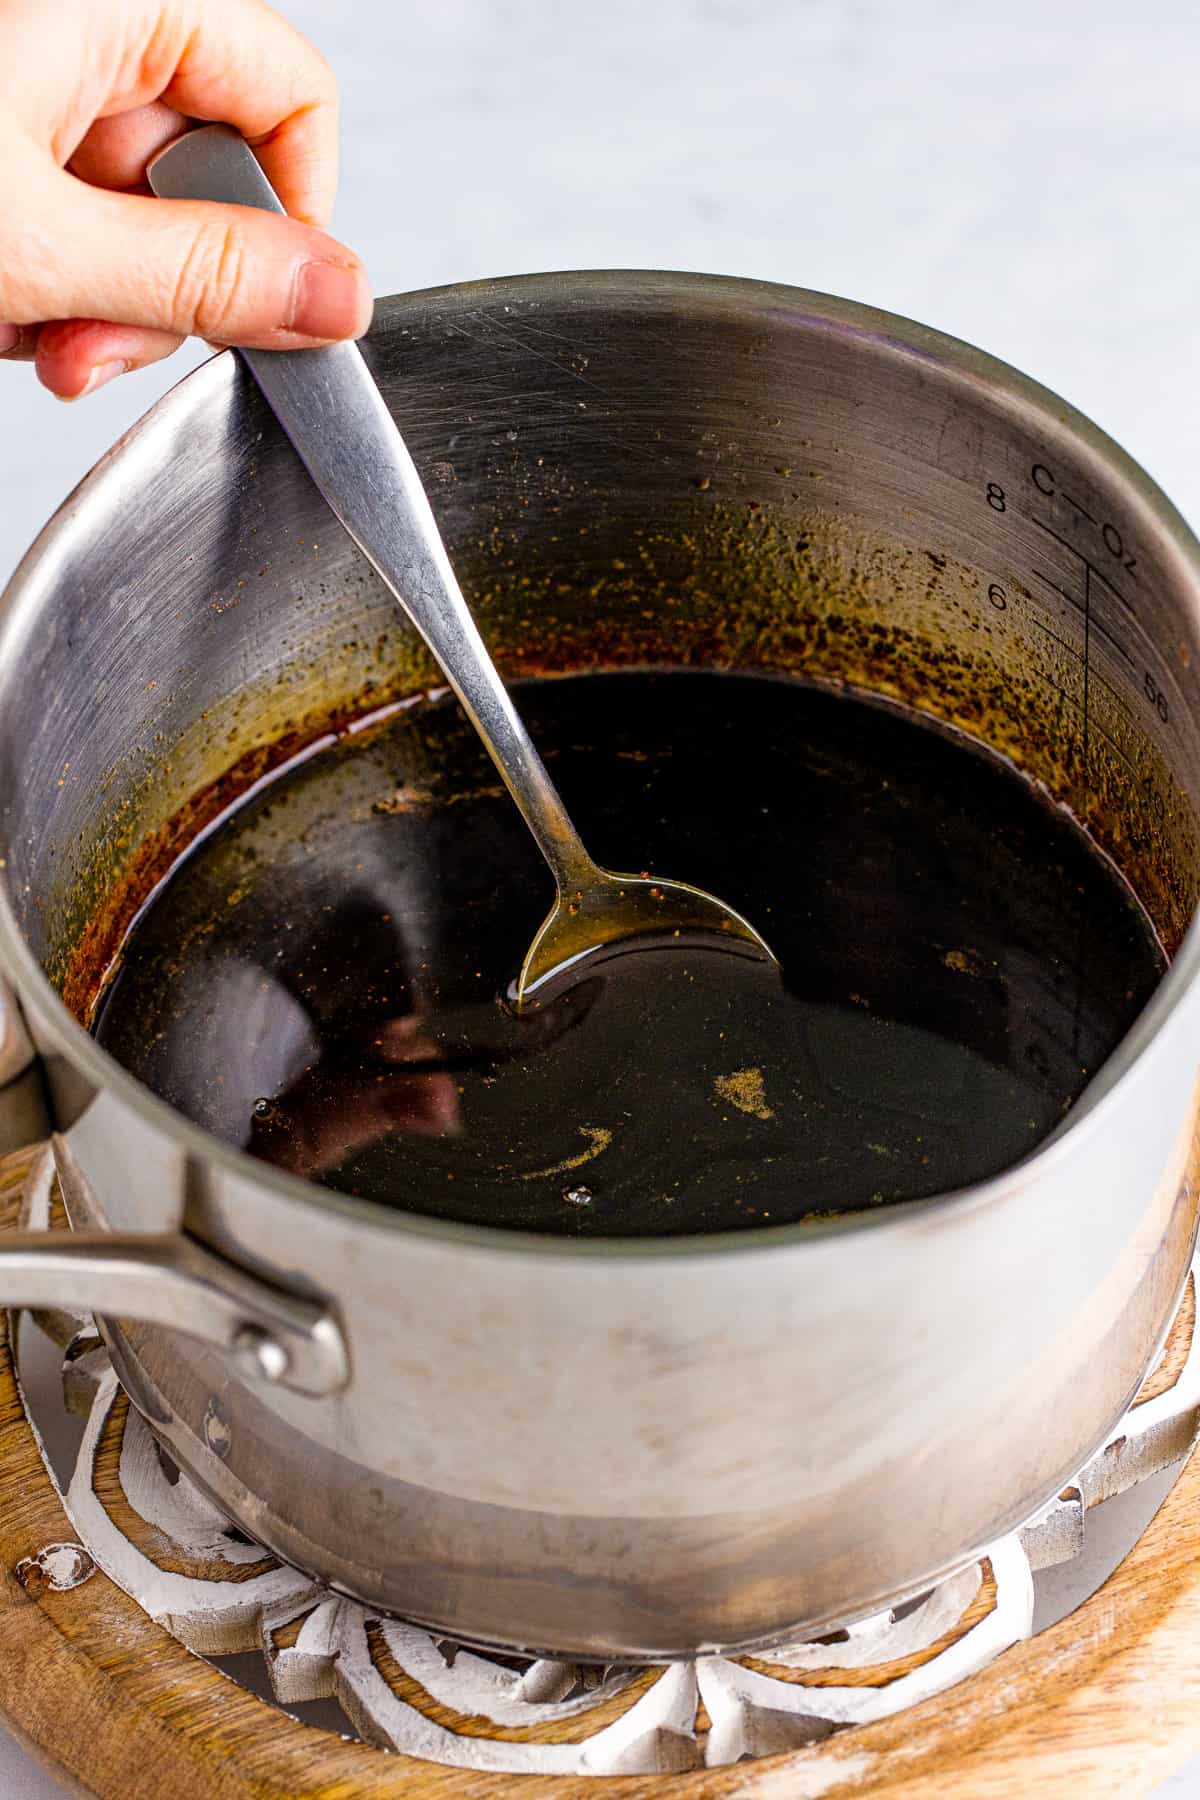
(172, 1280)
(167, 1279)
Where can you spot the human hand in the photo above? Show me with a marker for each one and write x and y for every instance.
(97, 277)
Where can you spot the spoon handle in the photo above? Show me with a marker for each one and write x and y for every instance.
(331, 409)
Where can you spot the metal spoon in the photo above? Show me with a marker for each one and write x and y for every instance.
(336, 418)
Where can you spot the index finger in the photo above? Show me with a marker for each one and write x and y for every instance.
(239, 62)
(246, 66)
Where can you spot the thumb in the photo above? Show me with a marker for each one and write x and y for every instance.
(231, 274)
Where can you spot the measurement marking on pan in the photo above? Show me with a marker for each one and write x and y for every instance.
(1099, 575)
(1108, 636)
(1110, 740)
(1118, 697)
(1069, 648)
(1069, 598)
(1096, 583)
(1076, 655)
(1085, 559)
(1110, 533)
(1119, 700)
(1079, 507)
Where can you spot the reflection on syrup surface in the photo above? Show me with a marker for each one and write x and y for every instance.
(317, 979)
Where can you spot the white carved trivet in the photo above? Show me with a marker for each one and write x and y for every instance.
(406, 1689)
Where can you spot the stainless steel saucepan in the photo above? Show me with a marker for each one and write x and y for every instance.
(633, 1449)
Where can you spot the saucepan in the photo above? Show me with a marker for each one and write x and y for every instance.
(615, 1448)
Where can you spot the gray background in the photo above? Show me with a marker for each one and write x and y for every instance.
(1025, 175)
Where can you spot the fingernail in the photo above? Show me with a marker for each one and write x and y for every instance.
(10, 337)
(329, 300)
(102, 374)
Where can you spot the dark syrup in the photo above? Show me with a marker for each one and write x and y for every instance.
(317, 980)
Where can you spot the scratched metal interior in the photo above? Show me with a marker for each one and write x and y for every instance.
(628, 470)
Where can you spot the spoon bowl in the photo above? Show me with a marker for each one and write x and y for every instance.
(607, 915)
